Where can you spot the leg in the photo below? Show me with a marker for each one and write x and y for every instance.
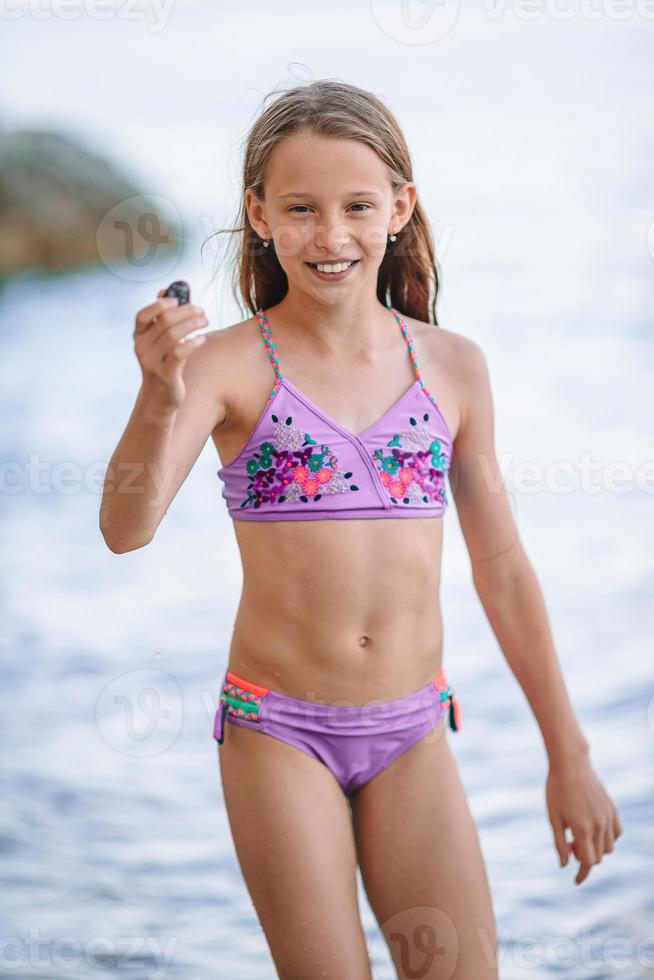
(422, 866)
(292, 829)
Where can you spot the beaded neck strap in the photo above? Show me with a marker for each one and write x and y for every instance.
(266, 333)
(412, 350)
(268, 340)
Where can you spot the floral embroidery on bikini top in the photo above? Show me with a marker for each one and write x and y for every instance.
(300, 464)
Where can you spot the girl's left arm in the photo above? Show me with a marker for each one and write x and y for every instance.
(512, 599)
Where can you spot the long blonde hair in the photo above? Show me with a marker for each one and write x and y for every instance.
(408, 278)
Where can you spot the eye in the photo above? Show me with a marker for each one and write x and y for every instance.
(359, 204)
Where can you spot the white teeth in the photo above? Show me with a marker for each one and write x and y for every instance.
(339, 267)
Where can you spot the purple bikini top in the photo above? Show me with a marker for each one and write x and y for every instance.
(298, 464)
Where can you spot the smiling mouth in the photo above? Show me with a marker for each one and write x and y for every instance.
(333, 267)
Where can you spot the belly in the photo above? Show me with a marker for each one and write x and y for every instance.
(339, 609)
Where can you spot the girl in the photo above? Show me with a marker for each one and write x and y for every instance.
(338, 409)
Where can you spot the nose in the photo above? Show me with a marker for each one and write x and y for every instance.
(331, 236)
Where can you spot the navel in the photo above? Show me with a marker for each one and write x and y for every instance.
(364, 640)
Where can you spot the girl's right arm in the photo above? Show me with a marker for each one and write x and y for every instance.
(176, 409)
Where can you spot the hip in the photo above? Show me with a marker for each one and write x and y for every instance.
(245, 702)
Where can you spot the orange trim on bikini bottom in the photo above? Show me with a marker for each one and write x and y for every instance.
(242, 706)
(246, 685)
(440, 683)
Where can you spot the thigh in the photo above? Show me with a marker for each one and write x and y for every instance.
(292, 830)
(423, 868)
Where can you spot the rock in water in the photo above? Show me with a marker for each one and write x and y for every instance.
(55, 196)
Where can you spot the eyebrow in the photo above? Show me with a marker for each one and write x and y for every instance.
(349, 194)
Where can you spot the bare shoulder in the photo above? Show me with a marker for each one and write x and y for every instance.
(232, 340)
(461, 355)
(232, 354)
(452, 365)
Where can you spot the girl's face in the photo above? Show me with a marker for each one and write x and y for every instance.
(329, 201)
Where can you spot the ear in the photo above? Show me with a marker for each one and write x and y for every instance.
(405, 201)
(255, 209)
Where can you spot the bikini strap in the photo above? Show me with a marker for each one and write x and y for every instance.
(266, 333)
(404, 327)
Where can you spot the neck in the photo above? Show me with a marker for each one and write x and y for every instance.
(333, 328)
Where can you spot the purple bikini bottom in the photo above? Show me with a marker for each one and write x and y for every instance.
(355, 742)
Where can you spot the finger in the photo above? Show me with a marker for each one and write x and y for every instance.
(584, 866)
(560, 842)
(145, 317)
(609, 840)
(599, 843)
(583, 872)
(177, 317)
(182, 349)
(170, 335)
(617, 826)
(585, 847)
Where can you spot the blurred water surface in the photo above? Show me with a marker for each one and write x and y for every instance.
(534, 162)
